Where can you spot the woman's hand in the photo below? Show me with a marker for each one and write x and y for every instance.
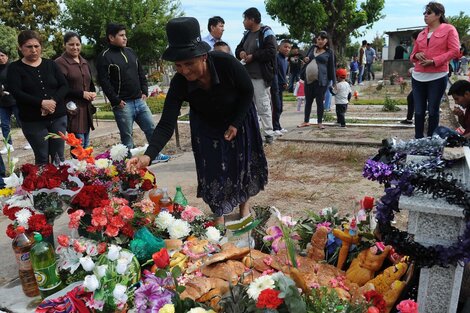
(88, 95)
(426, 63)
(420, 56)
(136, 163)
(48, 106)
(230, 133)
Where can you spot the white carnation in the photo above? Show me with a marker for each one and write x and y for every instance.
(258, 285)
(213, 234)
(103, 163)
(22, 217)
(179, 229)
(119, 152)
(164, 219)
(81, 166)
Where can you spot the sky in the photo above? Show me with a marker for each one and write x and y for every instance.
(398, 14)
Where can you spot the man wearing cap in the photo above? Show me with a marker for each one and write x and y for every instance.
(215, 26)
(227, 146)
(257, 50)
(123, 80)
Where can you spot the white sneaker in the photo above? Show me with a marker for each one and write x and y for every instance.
(6, 148)
(27, 147)
(278, 133)
(284, 130)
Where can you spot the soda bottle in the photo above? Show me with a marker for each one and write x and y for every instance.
(45, 267)
(179, 197)
(165, 202)
(22, 246)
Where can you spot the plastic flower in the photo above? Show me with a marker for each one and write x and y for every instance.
(100, 270)
(167, 308)
(161, 258)
(407, 306)
(22, 217)
(164, 220)
(258, 285)
(179, 229)
(91, 283)
(119, 293)
(213, 234)
(113, 252)
(118, 152)
(87, 263)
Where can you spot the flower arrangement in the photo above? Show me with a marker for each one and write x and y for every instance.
(276, 293)
(27, 217)
(112, 280)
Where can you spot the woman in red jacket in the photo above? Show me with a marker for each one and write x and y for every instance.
(435, 46)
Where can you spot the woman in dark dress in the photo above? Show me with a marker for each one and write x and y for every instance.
(230, 162)
(39, 89)
(82, 90)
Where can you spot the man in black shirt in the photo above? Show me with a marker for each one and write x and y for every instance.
(123, 80)
(295, 63)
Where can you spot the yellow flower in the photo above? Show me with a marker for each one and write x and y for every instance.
(112, 171)
(6, 192)
(149, 175)
(167, 308)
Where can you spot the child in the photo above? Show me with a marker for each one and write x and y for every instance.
(222, 46)
(300, 94)
(354, 69)
(342, 94)
(460, 91)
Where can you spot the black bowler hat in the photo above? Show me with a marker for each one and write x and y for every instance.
(184, 38)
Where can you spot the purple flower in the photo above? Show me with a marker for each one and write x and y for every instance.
(151, 298)
(104, 155)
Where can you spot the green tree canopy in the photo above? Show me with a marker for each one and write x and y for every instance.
(39, 15)
(461, 22)
(145, 21)
(8, 41)
(340, 18)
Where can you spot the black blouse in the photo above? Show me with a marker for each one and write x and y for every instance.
(30, 85)
(225, 103)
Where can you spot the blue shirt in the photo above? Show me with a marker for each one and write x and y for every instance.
(354, 66)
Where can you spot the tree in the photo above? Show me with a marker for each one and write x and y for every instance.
(39, 15)
(378, 43)
(462, 23)
(340, 18)
(145, 22)
(8, 41)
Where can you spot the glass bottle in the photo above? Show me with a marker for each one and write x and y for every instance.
(165, 202)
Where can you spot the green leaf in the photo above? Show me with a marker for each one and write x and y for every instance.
(176, 272)
(247, 228)
(180, 289)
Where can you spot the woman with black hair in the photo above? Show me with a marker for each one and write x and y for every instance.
(319, 72)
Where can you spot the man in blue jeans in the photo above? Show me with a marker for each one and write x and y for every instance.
(123, 80)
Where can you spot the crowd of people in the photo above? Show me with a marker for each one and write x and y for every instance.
(235, 95)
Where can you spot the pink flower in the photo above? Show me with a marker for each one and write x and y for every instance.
(314, 285)
(77, 246)
(126, 212)
(274, 234)
(63, 240)
(408, 306)
(190, 213)
(324, 224)
(75, 218)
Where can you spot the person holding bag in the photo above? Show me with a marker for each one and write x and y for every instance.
(319, 71)
(82, 90)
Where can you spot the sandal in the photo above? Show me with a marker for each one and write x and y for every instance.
(304, 124)
(320, 126)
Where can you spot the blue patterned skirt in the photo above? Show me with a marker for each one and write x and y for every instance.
(228, 172)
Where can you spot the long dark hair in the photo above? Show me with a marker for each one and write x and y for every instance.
(437, 8)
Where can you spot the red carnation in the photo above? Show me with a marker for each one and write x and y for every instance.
(63, 240)
(161, 258)
(128, 230)
(376, 299)
(102, 246)
(28, 184)
(10, 211)
(269, 299)
(11, 231)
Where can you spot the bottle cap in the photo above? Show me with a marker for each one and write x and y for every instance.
(71, 106)
(20, 229)
(37, 237)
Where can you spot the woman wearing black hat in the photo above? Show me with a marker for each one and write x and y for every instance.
(230, 162)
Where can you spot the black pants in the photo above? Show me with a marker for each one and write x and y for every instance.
(277, 104)
(411, 106)
(341, 113)
(317, 92)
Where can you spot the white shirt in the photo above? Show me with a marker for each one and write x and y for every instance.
(342, 91)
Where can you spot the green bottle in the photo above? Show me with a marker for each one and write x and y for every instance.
(179, 197)
(45, 267)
